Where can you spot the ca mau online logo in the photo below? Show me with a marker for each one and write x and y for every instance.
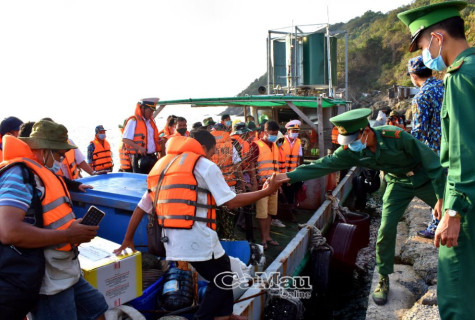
(299, 286)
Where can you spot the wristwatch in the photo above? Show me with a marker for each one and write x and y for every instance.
(453, 214)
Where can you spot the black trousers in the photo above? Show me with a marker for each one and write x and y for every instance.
(143, 164)
(218, 300)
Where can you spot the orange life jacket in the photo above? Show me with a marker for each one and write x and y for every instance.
(125, 163)
(223, 157)
(267, 161)
(175, 199)
(140, 134)
(335, 135)
(398, 122)
(101, 157)
(71, 165)
(291, 153)
(56, 202)
(166, 133)
(177, 134)
(282, 162)
(245, 146)
(252, 138)
(393, 123)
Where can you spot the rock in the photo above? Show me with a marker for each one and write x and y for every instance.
(426, 268)
(419, 311)
(411, 278)
(418, 251)
(400, 295)
(425, 308)
(430, 298)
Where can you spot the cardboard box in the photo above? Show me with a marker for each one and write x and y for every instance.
(119, 279)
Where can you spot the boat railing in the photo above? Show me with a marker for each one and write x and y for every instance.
(288, 261)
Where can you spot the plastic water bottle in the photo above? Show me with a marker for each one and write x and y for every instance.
(177, 290)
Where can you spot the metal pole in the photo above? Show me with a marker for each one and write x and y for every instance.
(295, 62)
(346, 66)
(269, 64)
(159, 109)
(330, 87)
(302, 115)
(321, 124)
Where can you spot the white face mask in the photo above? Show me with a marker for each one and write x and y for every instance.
(56, 164)
(294, 135)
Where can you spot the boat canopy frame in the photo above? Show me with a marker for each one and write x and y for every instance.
(266, 101)
(259, 101)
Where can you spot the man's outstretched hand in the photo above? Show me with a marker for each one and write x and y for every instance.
(273, 183)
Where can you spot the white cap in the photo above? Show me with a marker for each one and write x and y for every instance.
(293, 124)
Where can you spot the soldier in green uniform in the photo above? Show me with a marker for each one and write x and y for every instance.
(438, 30)
(412, 168)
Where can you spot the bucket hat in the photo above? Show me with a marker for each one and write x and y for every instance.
(48, 135)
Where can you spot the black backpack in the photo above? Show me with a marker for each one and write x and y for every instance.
(371, 180)
(22, 269)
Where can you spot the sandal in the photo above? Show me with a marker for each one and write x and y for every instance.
(272, 242)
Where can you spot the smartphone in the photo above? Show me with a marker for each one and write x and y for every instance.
(93, 216)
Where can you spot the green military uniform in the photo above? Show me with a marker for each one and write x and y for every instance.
(456, 270)
(399, 155)
(455, 275)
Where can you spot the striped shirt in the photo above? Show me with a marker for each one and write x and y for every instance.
(14, 192)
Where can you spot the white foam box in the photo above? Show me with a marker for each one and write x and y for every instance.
(118, 278)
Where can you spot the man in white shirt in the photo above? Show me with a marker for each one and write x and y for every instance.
(200, 245)
(141, 136)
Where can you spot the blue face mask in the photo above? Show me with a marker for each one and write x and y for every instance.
(357, 145)
(229, 123)
(101, 136)
(272, 138)
(437, 63)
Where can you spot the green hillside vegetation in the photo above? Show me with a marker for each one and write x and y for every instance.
(378, 50)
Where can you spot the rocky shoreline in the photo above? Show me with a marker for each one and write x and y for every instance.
(413, 285)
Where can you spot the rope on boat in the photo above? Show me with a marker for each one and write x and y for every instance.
(317, 240)
(337, 209)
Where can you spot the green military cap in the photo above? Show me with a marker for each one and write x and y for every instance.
(350, 124)
(421, 18)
